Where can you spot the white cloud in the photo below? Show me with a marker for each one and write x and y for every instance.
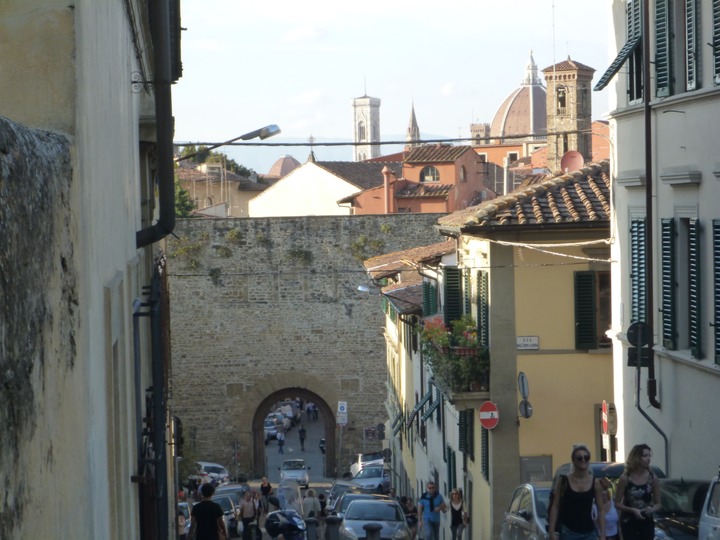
(304, 33)
(447, 89)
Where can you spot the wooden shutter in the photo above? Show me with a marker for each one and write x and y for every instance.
(667, 280)
(716, 287)
(453, 294)
(485, 459)
(663, 48)
(585, 311)
(638, 283)
(694, 289)
(692, 50)
(462, 431)
(467, 290)
(451, 470)
(426, 298)
(483, 301)
(716, 40)
(470, 413)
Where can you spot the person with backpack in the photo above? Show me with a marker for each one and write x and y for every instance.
(430, 505)
(571, 516)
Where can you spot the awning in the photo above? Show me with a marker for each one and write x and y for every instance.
(623, 55)
(431, 409)
(419, 406)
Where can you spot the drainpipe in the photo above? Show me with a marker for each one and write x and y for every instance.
(160, 31)
(386, 172)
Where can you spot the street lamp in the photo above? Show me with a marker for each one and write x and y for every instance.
(262, 133)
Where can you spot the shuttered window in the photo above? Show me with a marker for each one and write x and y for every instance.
(585, 311)
(451, 470)
(483, 311)
(694, 293)
(462, 432)
(668, 284)
(716, 40)
(466, 432)
(716, 287)
(638, 286)
(663, 48)
(631, 53)
(467, 290)
(429, 298)
(692, 51)
(453, 294)
(485, 460)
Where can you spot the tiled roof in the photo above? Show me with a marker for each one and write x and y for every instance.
(567, 65)
(436, 153)
(361, 174)
(415, 191)
(579, 197)
(406, 296)
(394, 263)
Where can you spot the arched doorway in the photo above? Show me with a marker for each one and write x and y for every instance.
(326, 416)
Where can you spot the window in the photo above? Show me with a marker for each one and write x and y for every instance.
(630, 53)
(592, 309)
(361, 131)
(561, 99)
(463, 174)
(716, 40)
(716, 287)
(513, 157)
(430, 306)
(638, 287)
(663, 47)
(453, 307)
(483, 311)
(680, 285)
(429, 174)
(466, 432)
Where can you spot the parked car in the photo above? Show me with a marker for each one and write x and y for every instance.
(230, 513)
(386, 513)
(373, 479)
(337, 490)
(365, 460)
(526, 517)
(270, 430)
(344, 501)
(682, 504)
(237, 488)
(206, 471)
(295, 469)
(709, 523)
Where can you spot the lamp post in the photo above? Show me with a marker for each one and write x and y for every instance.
(262, 133)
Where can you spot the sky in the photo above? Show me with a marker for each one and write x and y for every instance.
(250, 63)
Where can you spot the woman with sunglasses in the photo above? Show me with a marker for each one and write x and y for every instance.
(573, 496)
(638, 495)
(458, 515)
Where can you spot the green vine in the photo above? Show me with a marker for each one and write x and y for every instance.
(299, 256)
(215, 274)
(363, 248)
(233, 236)
(224, 252)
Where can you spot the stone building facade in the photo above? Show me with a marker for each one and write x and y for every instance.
(269, 308)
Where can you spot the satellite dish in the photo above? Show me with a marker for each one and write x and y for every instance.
(571, 161)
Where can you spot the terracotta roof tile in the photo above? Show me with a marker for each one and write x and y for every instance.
(567, 65)
(393, 263)
(406, 296)
(362, 174)
(436, 153)
(414, 191)
(579, 197)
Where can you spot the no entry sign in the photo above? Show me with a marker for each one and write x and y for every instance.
(489, 415)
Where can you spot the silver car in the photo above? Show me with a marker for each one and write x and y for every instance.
(295, 469)
(386, 513)
(373, 479)
(526, 517)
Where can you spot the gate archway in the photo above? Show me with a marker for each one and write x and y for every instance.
(326, 414)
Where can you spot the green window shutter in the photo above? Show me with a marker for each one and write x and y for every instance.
(663, 48)
(462, 432)
(638, 288)
(433, 300)
(667, 281)
(453, 293)
(429, 298)
(716, 286)
(467, 285)
(694, 293)
(470, 433)
(634, 20)
(483, 301)
(585, 311)
(485, 459)
(692, 51)
(451, 471)
(716, 40)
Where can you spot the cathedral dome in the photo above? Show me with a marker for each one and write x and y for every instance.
(283, 166)
(524, 111)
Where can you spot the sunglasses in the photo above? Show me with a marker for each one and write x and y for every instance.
(584, 457)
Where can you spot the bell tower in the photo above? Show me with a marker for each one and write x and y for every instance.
(366, 129)
(569, 110)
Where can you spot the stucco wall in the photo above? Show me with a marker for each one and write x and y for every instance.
(259, 305)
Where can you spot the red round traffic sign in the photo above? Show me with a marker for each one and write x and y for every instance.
(489, 415)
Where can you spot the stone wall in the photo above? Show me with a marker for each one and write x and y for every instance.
(266, 307)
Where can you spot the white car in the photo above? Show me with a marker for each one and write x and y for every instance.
(373, 479)
(709, 526)
(365, 460)
(295, 469)
(206, 471)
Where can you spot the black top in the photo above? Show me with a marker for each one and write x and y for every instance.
(456, 515)
(576, 509)
(205, 515)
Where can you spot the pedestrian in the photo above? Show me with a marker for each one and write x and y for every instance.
(281, 441)
(207, 517)
(310, 505)
(638, 495)
(458, 515)
(302, 434)
(612, 518)
(265, 490)
(308, 411)
(182, 525)
(410, 510)
(321, 519)
(315, 411)
(430, 505)
(573, 497)
(248, 514)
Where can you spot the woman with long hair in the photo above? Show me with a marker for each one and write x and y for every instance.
(458, 514)
(638, 495)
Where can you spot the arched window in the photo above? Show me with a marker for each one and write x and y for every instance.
(429, 174)
(561, 95)
(361, 131)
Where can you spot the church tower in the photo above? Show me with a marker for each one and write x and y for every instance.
(569, 111)
(366, 117)
(413, 131)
